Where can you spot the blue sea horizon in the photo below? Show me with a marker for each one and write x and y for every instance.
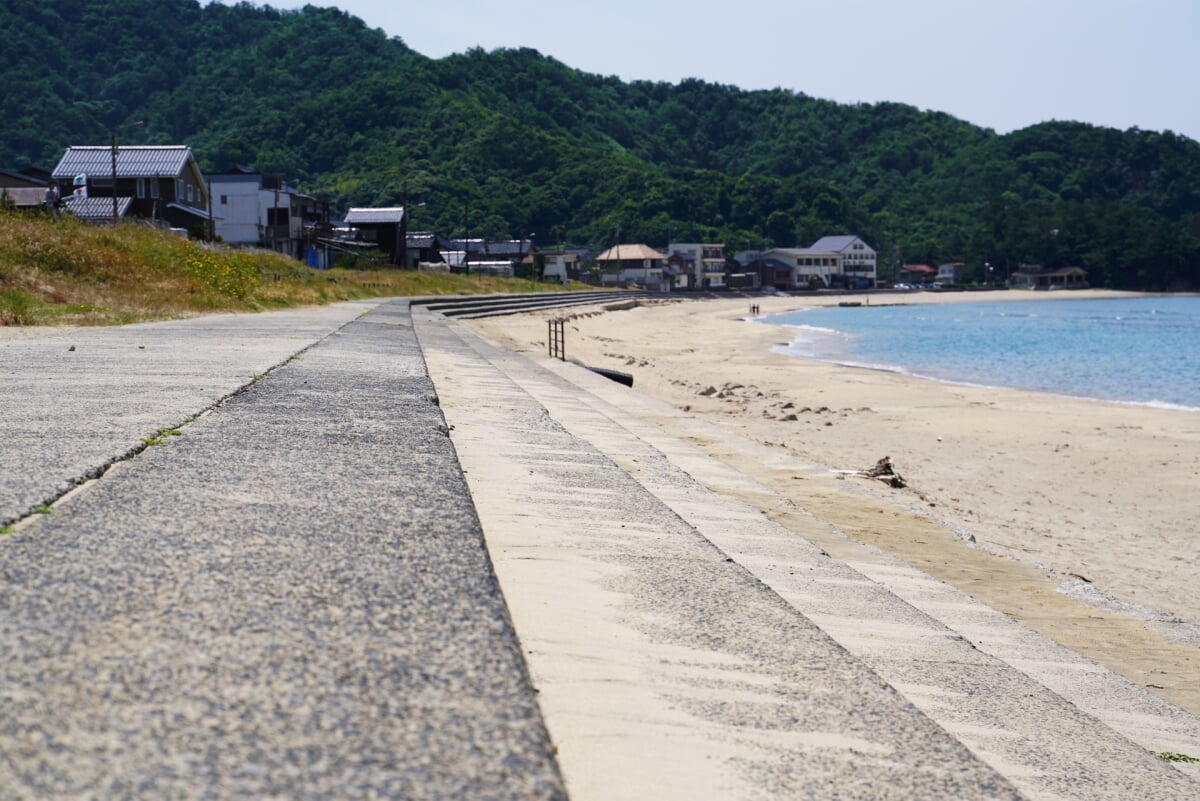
(1142, 350)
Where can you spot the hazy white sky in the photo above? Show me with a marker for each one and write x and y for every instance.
(1003, 64)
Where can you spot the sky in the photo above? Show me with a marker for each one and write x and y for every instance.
(1001, 64)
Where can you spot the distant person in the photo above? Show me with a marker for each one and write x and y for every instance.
(52, 198)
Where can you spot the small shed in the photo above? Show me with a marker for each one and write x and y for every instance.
(387, 228)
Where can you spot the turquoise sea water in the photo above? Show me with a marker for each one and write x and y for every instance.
(1139, 350)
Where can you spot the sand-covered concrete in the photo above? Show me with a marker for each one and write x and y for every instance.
(1081, 511)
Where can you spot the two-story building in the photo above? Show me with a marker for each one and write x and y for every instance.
(636, 264)
(951, 272)
(162, 183)
(856, 259)
(255, 208)
(832, 261)
(700, 265)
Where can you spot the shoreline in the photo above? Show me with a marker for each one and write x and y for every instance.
(1070, 514)
(813, 342)
(901, 371)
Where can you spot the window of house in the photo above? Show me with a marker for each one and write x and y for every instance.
(190, 197)
(154, 188)
(141, 187)
(224, 200)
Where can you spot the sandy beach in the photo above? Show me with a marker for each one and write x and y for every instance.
(1073, 516)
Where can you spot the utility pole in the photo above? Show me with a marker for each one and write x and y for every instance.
(138, 124)
(467, 239)
(402, 232)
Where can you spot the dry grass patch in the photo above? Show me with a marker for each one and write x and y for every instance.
(68, 272)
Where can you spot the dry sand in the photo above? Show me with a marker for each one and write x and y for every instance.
(1082, 513)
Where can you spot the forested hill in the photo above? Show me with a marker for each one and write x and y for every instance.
(511, 141)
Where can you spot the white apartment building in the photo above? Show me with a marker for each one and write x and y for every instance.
(707, 260)
(832, 261)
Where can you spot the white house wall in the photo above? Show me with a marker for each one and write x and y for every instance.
(237, 220)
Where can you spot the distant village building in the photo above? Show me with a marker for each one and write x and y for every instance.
(22, 179)
(490, 257)
(558, 267)
(916, 274)
(385, 228)
(21, 190)
(255, 208)
(426, 247)
(774, 272)
(832, 262)
(153, 182)
(1035, 277)
(636, 264)
(697, 265)
(950, 273)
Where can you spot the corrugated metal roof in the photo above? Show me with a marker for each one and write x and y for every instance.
(133, 161)
(509, 247)
(368, 216)
(835, 243)
(97, 208)
(473, 245)
(424, 239)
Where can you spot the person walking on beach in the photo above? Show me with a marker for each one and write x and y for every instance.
(52, 197)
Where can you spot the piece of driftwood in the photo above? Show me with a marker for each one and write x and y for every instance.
(883, 471)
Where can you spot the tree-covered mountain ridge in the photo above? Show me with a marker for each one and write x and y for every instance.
(511, 142)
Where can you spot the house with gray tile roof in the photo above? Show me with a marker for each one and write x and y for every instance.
(162, 183)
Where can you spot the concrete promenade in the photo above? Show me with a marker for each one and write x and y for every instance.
(360, 552)
(290, 599)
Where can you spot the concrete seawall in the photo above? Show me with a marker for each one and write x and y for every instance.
(360, 552)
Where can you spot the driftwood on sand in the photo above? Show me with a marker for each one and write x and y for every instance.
(883, 471)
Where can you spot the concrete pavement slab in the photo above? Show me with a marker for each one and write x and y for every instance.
(74, 402)
(291, 599)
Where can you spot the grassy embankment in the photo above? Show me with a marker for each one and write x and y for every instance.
(70, 273)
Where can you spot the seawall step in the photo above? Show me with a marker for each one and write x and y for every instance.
(1016, 723)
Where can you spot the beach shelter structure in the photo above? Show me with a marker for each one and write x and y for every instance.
(1037, 278)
